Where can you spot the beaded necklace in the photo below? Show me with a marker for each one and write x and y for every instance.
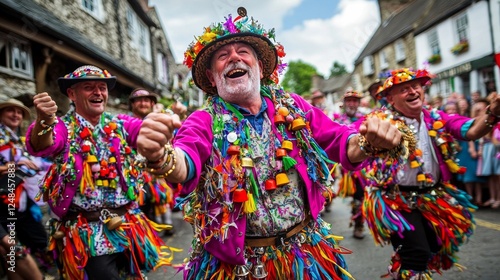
(231, 142)
(10, 140)
(383, 170)
(97, 145)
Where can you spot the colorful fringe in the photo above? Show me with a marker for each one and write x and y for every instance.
(347, 184)
(320, 257)
(447, 208)
(136, 237)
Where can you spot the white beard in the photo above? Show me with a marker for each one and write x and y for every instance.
(350, 111)
(239, 91)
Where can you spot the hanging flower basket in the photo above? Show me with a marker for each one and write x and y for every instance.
(461, 47)
(434, 59)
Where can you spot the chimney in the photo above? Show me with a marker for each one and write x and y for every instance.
(388, 7)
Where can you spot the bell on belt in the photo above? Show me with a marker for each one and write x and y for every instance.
(247, 162)
(241, 270)
(282, 179)
(297, 124)
(240, 195)
(114, 223)
(287, 145)
(58, 234)
(270, 184)
(259, 270)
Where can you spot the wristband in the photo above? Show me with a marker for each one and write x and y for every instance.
(47, 127)
(491, 119)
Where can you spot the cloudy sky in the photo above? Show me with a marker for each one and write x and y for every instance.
(317, 32)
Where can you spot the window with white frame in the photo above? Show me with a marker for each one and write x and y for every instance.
(15, 55)
(400, 50)
(162, 68)
(384, 64)
(462, 27)
(130, 22)
(144, 42)
(432, 37)
(93, 7)
(368, 67)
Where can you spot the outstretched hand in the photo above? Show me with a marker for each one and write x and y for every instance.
(156, 131)
(381, 134)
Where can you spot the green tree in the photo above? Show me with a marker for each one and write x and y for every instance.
(298, 77)
(337, 69)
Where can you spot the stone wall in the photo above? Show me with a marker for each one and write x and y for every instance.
(108, 33)
(13, 86)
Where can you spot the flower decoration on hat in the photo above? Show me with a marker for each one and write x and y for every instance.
(353, 93)
(83, 74)
(404, 75)
(240, 29)
(88, 70)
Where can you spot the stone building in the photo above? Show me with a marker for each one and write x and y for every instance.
(41, 40)
(425, 34)
(392, 45)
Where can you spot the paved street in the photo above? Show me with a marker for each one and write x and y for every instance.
(481, 255)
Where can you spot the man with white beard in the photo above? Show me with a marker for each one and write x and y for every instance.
(254, 162)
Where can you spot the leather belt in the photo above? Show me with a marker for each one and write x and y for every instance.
(279, 239)
(93, 216)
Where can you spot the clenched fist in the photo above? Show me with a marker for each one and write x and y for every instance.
(381, 134)
(157, 130)
(45, 107)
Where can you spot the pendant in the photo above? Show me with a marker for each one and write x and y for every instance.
(282, 179)
(240, 195)
(270, 185)
(114, 223)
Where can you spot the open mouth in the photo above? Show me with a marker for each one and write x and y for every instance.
(413, 99)
(96, 101)
(236, 73)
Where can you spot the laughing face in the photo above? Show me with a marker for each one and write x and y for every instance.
(11, 117)
(407, 98)
(90, 99)
(236, 73)
(351, 105)
(142, 106)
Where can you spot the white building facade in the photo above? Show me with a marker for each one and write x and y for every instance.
(459, 50)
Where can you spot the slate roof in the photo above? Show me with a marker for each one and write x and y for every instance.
(417, 17)
(439, 11)
(45, 21)
(395, 27)
(335, 84)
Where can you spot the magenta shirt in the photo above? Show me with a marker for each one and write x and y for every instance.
(195, 138)
(131, 126)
